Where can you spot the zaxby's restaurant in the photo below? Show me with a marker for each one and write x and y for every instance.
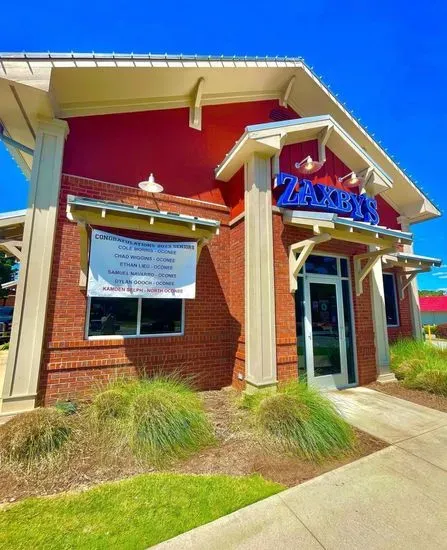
(223, 217)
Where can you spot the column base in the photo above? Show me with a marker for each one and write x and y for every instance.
(251, 388)
(386, 378)
(17, 404)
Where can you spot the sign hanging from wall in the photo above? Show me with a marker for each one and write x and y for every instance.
(303, 194)
(122, 268)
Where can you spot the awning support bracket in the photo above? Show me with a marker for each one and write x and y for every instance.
(12, 247)
(305, 247)
(360, 273)
(406, 278)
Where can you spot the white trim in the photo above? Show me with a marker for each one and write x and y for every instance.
(130, 336)
(396, 301)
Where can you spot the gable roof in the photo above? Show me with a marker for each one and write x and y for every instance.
(75, 84)
(433, 303)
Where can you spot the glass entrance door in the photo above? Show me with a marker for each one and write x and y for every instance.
(325, 332)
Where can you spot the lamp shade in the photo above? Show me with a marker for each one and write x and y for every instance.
(308, 166)
(150, 185)
(353, 180)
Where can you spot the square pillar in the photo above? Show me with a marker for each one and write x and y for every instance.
(384, 373)
(260, 331)
(28, 326)
(413, 290)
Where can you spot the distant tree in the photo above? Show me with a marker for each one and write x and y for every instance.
(7, 266)
(432, 293)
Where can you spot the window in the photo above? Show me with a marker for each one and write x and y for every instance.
(134, 317)
(391, 307)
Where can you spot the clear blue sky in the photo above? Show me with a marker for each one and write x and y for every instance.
(386, 60)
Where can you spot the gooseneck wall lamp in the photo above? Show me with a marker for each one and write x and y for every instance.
(308, 166)
(351, 179)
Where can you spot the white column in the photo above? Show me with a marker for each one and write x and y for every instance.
(384, 373)
(28, 328)
(260, 339)
(413, 291)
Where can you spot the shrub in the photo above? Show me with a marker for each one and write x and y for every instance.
(112, 403)
(301, 420)
(408, 368)
(441, 331)
(168, 421)
(33, 435)
(4, 347)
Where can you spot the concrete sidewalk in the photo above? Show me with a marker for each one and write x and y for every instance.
(393, 499)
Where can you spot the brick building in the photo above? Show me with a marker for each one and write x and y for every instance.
(300, 225)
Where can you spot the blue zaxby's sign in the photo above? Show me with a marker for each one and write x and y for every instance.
(303, 194)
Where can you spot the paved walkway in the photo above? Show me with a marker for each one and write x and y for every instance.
(393, 499)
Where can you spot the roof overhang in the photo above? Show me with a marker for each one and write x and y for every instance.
(412, 261)
(66, 85)
(346, 229)
(12, 223)
(270, 138)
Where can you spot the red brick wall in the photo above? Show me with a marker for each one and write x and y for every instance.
(405, 328)
(73, 366)
(237, 297)
(286, 341)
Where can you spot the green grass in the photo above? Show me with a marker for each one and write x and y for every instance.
(420, 365)
(300, 420)
(131, 514)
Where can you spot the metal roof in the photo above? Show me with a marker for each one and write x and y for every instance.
(349, 222)
(136, 210)
(415, 258)
(12, 214)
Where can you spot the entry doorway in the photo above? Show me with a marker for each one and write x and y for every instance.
(324, 323)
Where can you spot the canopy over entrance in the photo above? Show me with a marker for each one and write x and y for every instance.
(326, 226)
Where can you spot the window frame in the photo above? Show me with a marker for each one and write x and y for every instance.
(138, 335)
(396, 301)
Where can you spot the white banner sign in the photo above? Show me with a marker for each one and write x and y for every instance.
(122, 267)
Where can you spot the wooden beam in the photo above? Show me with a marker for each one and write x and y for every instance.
(360, 273)
(13, 248)
(84, 253)
(285, 96)
(195, 111)
(404, 281)
(322, 141)
(305, 247)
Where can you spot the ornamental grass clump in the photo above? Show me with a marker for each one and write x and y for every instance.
(168, 421)
(420, 365)
(111, 404)
(34, 435)
(300, 420)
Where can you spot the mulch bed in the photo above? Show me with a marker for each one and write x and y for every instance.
(239, 451)
(420, 397)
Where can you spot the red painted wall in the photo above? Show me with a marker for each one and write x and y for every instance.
(125, 148)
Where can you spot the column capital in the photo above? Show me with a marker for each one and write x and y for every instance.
(53, 126)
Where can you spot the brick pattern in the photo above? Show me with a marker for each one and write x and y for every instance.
(72, 365)
(286, 341)
(405, 328)
(237, 298)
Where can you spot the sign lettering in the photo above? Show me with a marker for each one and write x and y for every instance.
(123, 267)
(321, 197)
